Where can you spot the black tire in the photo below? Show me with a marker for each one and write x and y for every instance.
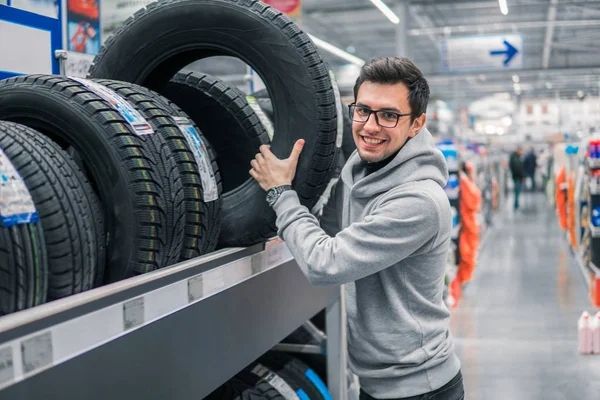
(200, 219)
(97, 216)
(222, 114)
(23, 265)
(239, 389)
(232, 128)
(297, 373)
(58, 189)
(348, 145)
(121, 163)
(285, 58)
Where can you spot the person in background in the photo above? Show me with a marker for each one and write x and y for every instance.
(385, 235)
(530, 165)
(518, 173)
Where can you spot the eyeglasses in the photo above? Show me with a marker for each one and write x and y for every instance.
(385, 119)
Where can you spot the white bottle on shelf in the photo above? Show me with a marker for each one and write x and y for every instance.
(596, 333)
(584, 334)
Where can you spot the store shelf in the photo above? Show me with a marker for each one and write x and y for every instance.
(593, 163)
(594, 230)
(585, 271)
(594, 269)
(594, 188)
(176, 333)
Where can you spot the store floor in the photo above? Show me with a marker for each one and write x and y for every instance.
(516, 327)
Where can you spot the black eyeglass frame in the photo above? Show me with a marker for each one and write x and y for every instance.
(352, 106)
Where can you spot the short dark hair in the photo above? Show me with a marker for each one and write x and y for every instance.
(392, 70)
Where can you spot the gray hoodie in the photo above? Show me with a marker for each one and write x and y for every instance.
(385, 236)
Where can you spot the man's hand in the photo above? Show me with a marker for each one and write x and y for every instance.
(269, 171)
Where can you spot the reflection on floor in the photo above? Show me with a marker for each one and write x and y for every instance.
(516, 327)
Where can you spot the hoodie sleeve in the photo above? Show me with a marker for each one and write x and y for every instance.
(393, 232)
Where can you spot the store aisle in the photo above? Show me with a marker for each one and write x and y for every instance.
(515, 328)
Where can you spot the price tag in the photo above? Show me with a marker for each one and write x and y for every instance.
(7, 373)
(137, 122)
(275, 380)
(195, 288)
(16, 204)
(37, 352)
(133, 313)
(207, 175)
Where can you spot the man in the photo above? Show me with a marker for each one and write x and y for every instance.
(518, 173)
(386, 236)
(529, 166)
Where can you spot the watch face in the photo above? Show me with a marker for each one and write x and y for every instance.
(271, 196)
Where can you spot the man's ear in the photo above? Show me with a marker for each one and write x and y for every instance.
(417, 125)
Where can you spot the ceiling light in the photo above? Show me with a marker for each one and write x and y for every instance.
(503, 7)
(386, 11)
(580, 93)
(516, 79)
(548, 85)
(351, 49)
(482, 78)
(507, 121)
(336, 51)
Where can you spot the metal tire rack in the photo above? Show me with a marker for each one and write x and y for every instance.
(176, 333)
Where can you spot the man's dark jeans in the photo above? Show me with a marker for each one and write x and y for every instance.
(452, 390)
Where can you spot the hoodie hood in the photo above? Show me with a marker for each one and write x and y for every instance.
(418, 160)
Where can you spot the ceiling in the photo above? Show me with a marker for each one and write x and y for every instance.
(561, 42)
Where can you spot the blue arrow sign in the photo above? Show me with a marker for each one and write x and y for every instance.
(510, 52)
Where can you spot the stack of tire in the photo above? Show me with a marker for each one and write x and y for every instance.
(141, 166)
(275, 376)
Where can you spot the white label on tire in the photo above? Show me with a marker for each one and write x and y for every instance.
(133, 313)
(137, 122)
(340, 110)
(207, 175)
(274, 380)
(37, 352)
(7, 372)
(264, 120)
(16, 204)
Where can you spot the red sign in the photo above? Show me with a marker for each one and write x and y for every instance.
(289, 7)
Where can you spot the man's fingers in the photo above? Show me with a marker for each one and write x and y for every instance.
(254, 164)
(253, 173)
(265, 150)
(260, 158)
(295, 154)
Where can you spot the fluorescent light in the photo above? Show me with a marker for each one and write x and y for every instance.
(516, 78)
(386, 11)
(336, 51)
(503, 7)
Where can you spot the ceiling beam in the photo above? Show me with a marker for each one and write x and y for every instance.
(575, 47)
(441, 5)
(501, 26)
(549, 34)
(591, 70)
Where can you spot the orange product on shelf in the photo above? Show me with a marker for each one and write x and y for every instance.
(561, 200)
(455, 291)
(465, 272)
(571, 208)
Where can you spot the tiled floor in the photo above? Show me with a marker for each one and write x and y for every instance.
(516, 327)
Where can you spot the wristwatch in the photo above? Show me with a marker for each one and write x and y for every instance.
(274, 193)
